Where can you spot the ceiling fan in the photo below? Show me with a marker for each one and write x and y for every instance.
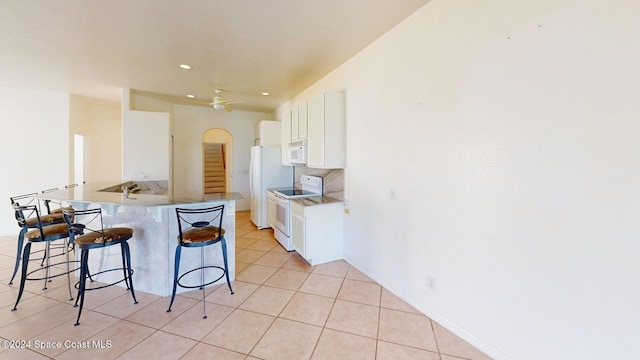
(220, 103)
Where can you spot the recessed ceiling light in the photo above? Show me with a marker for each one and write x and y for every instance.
(191, 96)
(185, 66)
(265, 93)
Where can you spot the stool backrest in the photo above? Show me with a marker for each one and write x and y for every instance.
(199, 218)
(81, 221)
(26, 199)
(47, 202)
(24, 212)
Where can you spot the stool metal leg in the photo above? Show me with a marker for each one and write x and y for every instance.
(84, 267)
(125, 269)
(45, 256)
(125, 248)
(66, 253)
(226, 267)
(176, 269)
(18, 254)
(47, 271)
(204, 303)
(23, 279)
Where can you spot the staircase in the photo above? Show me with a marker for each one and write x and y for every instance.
(214, 171)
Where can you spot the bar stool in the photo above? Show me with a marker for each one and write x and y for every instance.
(40, 234)
(30, 223)
(86, 231)
(55, 209)
(196, 230)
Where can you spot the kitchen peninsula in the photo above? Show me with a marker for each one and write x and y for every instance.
(155, 231)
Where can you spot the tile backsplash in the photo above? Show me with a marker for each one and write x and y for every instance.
(333, 180)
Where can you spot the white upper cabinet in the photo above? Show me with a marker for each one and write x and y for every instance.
(294, 124)
(285, 129)
(268, 133)
(299, 122)
(326, 131)
(302, 121)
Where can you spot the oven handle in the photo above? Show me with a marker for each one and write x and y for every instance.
(281, 200)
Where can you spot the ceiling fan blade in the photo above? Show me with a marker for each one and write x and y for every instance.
(233, 101)
(196, 102)
(227, 107)
(227, 101)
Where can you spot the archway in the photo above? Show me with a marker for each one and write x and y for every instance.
(217, 164)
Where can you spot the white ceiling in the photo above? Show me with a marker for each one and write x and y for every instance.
(95, 48)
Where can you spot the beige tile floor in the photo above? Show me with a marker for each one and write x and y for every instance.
(282, 309)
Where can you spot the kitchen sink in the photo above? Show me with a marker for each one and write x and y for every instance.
(152, 187)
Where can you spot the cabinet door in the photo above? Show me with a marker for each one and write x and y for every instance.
(285, 129)
(302, 121)
(326, 131)
(315, 131)
(298, 240)
(294, 125)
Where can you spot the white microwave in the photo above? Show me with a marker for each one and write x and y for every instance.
(298, 152)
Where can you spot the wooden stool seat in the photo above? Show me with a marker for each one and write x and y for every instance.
(58, 230)
(45, 219)
(59, 210)
(110, 235)
(198, 235)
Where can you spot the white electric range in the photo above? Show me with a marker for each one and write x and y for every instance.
(279, 205)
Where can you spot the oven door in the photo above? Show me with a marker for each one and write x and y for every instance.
(282, 215)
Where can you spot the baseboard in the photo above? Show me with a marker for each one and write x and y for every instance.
(466, 336)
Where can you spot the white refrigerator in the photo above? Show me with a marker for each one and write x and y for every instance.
(266, 171)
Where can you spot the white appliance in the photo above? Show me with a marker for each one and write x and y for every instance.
(298, 152)
(266, 171)
(311, 186)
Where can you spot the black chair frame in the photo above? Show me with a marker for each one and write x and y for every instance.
(24, 227)
(206, 219)
(32, 211)
(78, 229)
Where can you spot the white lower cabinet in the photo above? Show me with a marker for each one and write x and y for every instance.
(316, 231)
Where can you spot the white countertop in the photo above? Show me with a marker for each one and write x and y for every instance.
(89, 193)
(316, 200)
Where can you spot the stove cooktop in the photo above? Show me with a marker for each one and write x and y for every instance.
(311, 186)
(292, 193)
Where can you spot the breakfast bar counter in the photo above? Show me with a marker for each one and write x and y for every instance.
(155, 231)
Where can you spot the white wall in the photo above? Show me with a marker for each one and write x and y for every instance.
(146, 145)
(190, 123)
(508, 131)
(34, 143)
(105, 143)
(100, 123)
